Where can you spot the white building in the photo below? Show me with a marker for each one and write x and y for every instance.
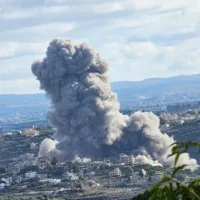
(18, 179)
(51, 180)
(16, 169)
(43, 162)
(54, 181)
(30, 175)
(123, 158)
(33, 146)
(135, 177)
(22, 157)
(92, 173)
(70, 176)
(80, 173)
(116, 172)
(143, 172)
(21, 164)
(2, 186)
(29, 162)
(42, 176)
(131, 159)
(11, 168)
(8, 181)
(81, 160)
(30, 156)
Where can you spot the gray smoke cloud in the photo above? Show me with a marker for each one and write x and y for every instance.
(86, 112)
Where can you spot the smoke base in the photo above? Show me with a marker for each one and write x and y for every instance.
(86, 112)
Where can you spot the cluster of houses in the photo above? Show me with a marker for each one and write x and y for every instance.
(13, 175)
(138, 176)
(16, 175)
(180, 117)
(126, 159)
(70, 176)
(27, 160)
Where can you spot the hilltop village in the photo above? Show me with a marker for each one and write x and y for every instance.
(22, 172)
(122, 177)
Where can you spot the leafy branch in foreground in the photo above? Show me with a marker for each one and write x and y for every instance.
(169, 188)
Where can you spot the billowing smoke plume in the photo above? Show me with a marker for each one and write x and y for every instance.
(48, 147)
(86, 113)
(142, 160)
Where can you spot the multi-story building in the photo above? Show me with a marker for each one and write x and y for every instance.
(42, 176)
(2, 186)
(17, 179)
(116, 172)
(13, 168)
(70, 176)
(131, 159)
(123, 158)
(29, 162)
(8, 181)
(135, 177)
(43, 162)
(126, 159)
(30, 175)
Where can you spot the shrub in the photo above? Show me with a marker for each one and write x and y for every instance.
(169, 188)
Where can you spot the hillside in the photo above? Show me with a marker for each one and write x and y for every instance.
(159, 90)
(154, 90)
(23, 99)
(159, 82)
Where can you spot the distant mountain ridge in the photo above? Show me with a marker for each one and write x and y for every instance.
(183, 79)
(159, 87)
(152, 88)
(22, 98)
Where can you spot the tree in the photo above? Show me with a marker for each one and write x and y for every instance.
(162, 121)
(170, 188)
(2, 169)
(126, 170)
(54, 161)
(79, 186)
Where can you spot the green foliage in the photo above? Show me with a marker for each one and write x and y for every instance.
(126, 170)
(169, 188)
(73, 167)
(54, 161)
(29, 168)
(162, 121)
(32, 197)
(2, 170)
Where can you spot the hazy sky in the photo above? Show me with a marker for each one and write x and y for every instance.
(139, 38)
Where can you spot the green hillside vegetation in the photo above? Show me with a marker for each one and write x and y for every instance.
(170, 188)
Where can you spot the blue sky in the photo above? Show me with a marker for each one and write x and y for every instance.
(139, 38)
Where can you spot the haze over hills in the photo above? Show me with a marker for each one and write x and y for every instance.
(157, 90)
(157, 86)
(22, 99)
(181, 79)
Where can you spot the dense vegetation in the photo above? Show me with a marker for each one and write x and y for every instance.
(41, 197)
(170, 188)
